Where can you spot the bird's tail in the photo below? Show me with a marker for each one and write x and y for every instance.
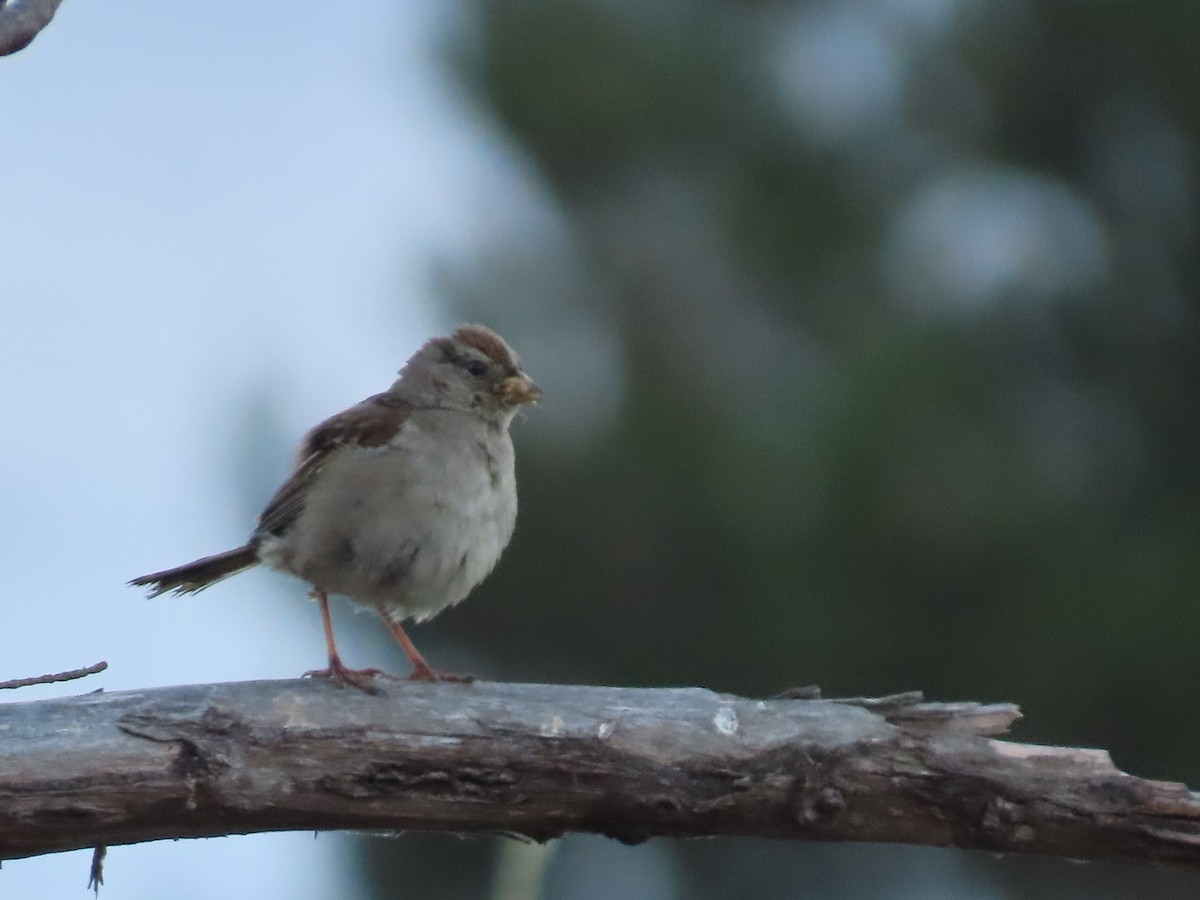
(195, 576)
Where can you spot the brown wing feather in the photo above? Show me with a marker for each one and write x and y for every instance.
(371, 423)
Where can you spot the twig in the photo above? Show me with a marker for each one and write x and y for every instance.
(96, 876)
(56, 677)
(21, 20)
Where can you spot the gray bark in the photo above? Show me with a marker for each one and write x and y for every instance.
(21, 20)
(541, 760)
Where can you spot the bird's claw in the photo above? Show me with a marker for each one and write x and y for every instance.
(339, 674)
(428, 673)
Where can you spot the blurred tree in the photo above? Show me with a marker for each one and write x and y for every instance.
(887, 323)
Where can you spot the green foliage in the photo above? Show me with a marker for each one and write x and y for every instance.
(839, 459)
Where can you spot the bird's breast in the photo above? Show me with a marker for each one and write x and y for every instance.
(412, 526)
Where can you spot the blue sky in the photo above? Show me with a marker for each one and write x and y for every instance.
(203, 206)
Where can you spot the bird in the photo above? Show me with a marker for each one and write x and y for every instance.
(402, 503)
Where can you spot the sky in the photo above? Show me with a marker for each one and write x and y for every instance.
(203, 207)
(220, 225)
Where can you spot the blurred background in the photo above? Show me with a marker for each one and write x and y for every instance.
(869, 335)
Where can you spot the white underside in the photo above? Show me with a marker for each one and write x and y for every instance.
(409, 528)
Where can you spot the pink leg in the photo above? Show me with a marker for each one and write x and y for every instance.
(422, 671)
(359, 678)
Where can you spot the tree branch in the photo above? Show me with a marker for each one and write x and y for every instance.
(21, 20)
(541, 760)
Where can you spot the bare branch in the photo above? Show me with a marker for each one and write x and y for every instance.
(56, 677)
(541, 760)
(21, 20)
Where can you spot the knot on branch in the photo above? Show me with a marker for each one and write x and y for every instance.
(819, 806)
(1003, 822)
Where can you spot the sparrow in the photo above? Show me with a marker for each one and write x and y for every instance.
(402, 503)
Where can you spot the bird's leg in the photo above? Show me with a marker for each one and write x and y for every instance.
(422, 671)
(359, 678)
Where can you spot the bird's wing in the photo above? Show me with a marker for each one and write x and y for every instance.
(371, 423)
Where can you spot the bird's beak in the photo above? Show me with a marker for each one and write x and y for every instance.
(518, 389)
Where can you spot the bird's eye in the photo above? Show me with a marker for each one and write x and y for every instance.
(476, 368)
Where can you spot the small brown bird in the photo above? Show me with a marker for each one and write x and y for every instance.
(402, 503)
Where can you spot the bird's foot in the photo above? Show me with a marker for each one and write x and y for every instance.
(426, 672)
(363, 679)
